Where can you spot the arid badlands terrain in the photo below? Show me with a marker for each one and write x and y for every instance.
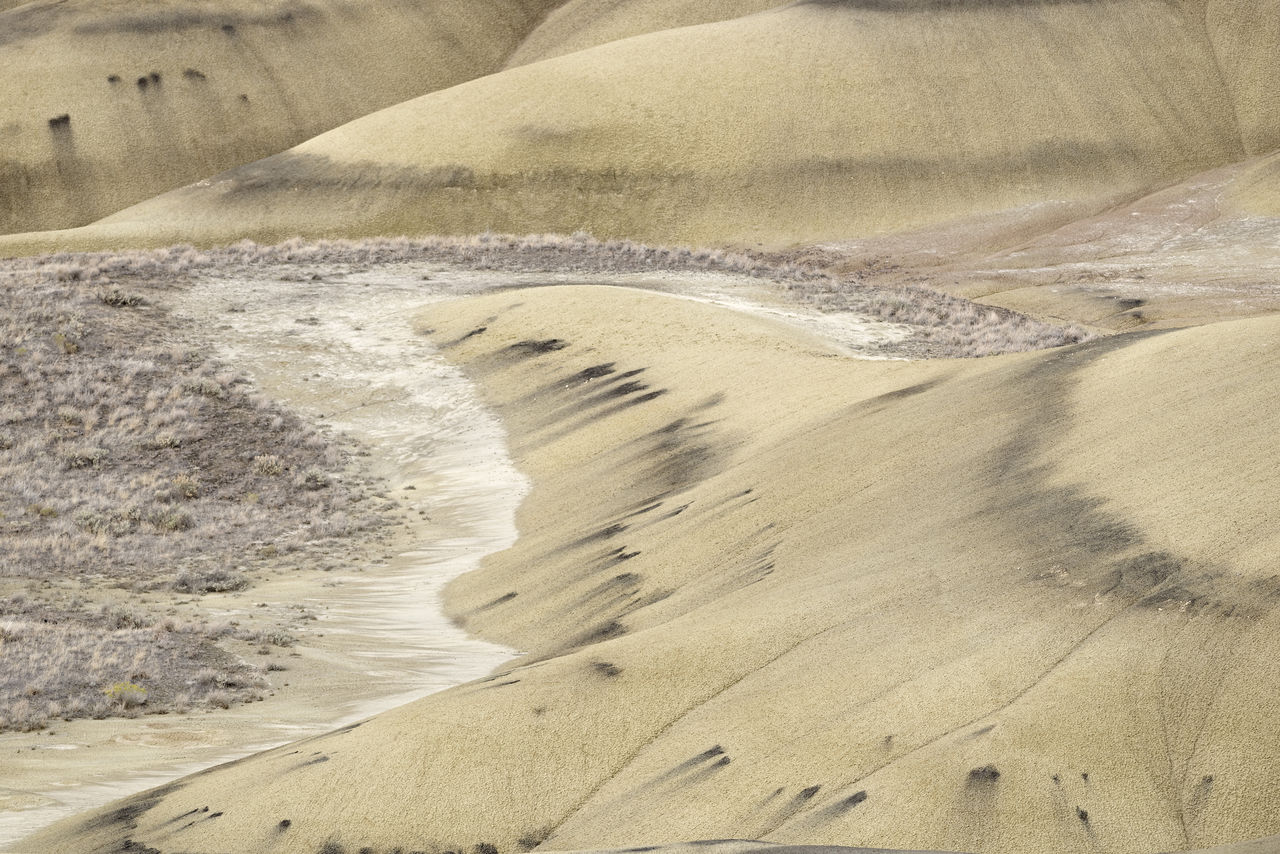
(738, 426)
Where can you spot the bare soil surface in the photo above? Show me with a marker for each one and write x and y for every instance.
(334, 628)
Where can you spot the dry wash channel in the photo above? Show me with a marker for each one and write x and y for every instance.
(1020, 604)
(376, 637)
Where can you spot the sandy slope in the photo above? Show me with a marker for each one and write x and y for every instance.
(1244, 34)
(580, 24)
(1201, 250)
(817, 121)
(236, 80)
(1013, 605)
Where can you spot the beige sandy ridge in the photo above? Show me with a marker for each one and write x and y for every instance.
(815, 121)
(234, 81)
(991, 611)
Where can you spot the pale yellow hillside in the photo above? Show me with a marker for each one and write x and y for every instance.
(816, 121)
(580, 24)
(1024, 604)
(1244, 34)
(1201, 250)
(159, 93)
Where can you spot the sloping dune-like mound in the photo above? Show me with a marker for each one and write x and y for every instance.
(817, 121)
(142, 97)
(767, 592)
(580, 24)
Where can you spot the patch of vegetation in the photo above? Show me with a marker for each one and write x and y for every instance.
(131, 465)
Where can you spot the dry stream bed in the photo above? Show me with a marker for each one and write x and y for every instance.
(333, 343)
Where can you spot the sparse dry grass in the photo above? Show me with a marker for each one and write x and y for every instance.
(116, 661)
(942, 325)
(131, 461)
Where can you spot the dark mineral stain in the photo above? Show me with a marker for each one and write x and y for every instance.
(128, 814)
(645, 398)
(605, 533)
(691, 764)
(877, 402)
(594, 372)
(504, 598)
(537, 348)
(348, 728)
(985, 774)
(698, 775)
(676, 512)
(479, 330)
(500, 684)
(843, 805)
(624, 584)
(1147, 570)
(130, 846)
(186, 814)
(624, 389)
(530, 841)
(596, 634)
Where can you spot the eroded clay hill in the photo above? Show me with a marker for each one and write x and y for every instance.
(815, 121)
(109, 102)
(769, 593)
